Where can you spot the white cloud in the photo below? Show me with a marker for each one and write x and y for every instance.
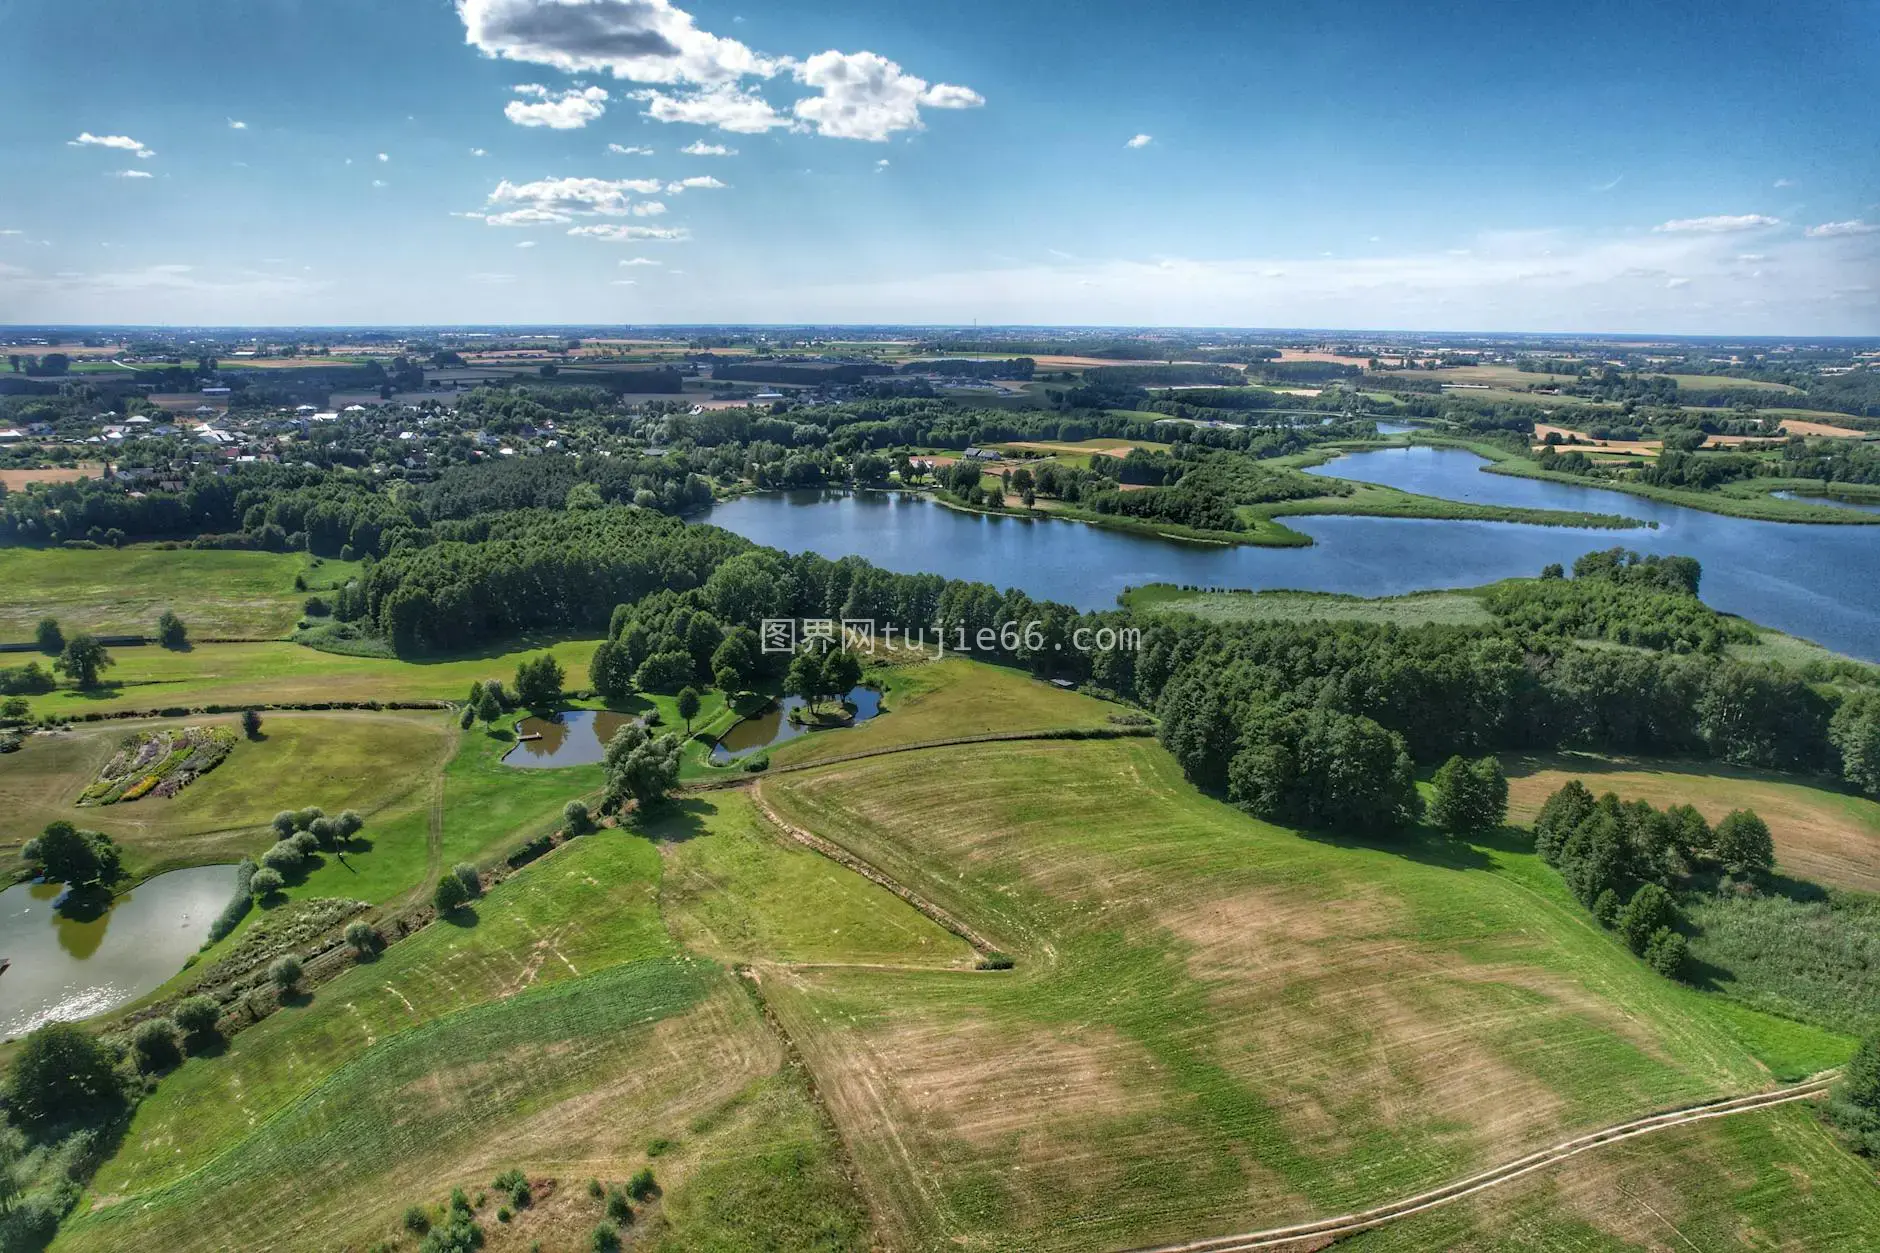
(629, 150)
(644, 41)
(623, 282)
(523, 217)
(1677, 282)
(237, 126)
(588, 196)
(14, 231)
(1717, 224)
(648, 209)
(1609, 186)
(478, 152)
(566, 111)
(132, 174)
(697, 180)
(866, 96)
(727, 108)
(881, 165)
(624, 261)
(627, 234)
(385, 156)
(1831, 230)
(1139, 141)
(123, 142)
(1784, 182)
(699, 148)
(527, 243)
(378, 182)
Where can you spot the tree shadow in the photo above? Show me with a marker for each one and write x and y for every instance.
(464, 917)
(210, 1043)
(676, 821)
(297, 998)
(1421, 844)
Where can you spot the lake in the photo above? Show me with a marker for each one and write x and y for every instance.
(73, 965)
(773, 726)
(1819, 581)
(575, 737)
(1836, 501)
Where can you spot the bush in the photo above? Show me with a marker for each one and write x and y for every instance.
(1665, 952)
(606, 1238)
(238, 903)
(995, 960)
(448, 896)
(514, 1185)
(642, 1186)
(1650, 911)
(286, 972)
(466, 874)
(617, 1207)
(304, 818)
(283, 824)
(350, 823)
(361, 936)
(594, 1189)
(285, 858)
(575, 818)
(325, 832)
(266, 882)
(1607, 908)
(60, 1070)
(155, 1044)
(1854, 1105)
(196, 1016)
(171, 633)
(417, 1222)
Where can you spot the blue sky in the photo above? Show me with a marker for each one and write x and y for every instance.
(1627, 167)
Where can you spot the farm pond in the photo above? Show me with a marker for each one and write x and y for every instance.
(574, 737)
(773, 726)
(73, 958)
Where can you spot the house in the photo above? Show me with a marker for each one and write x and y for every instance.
(10, 433)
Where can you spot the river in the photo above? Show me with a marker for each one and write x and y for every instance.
(1821, 582)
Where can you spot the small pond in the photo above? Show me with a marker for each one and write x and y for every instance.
(773, 726)
(92, 956)
(574, 737)
(1838, 502)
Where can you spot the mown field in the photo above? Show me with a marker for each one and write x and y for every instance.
(123, 591)
(1821, 835)
(1215, 1020)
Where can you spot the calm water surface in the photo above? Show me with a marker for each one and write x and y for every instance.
(575, 737)
(1836, 501)
(1820, 581)
(773, 726)
(73, 963)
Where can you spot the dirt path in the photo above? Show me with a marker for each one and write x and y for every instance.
(1351, 1224)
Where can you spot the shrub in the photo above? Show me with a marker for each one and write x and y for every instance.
(284, 858)
(617, 1207)
(606, 1238)
(325, 832)
(360, 935)
(642, 1186)
(266, 882)
(1648, 912)
(286, 972)
(155, 1044)
(417, 1222)
(1665, 952)
(756, 765)
(306, 843)
(238, 903)
(251, 723)
(196, 1016)
(60, 1070)
(575, 818)
(448, 896)
(1606, 908)
(350, 823)
(466, 874)
(303, 818)
(171, 633)
(283, 824)
(502, 1214)
(514, 1185)
(49, 638)
(594, 1189)
(1854, 1105)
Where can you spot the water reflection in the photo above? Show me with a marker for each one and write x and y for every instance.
(773, 725)
(575, 737)
(70, 959)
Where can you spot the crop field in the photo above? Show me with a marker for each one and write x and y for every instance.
(123, 591)
(1420, 609)
(1217, 1023)
(15, 480)
(150, 678)
(1824, 836)
(353, 759)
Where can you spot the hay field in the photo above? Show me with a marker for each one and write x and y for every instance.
(1217, 1024)
(123, 591)
(18, 480)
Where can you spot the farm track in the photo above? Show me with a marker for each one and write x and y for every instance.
(1330, 1229)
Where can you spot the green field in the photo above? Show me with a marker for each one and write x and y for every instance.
(151, 678)
(372, 762)
(1216, 1023)
(1419, 609)
(123, 591)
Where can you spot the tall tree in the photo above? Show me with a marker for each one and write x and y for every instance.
(83, 659)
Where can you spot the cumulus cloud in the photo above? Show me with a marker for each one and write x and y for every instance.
(623, 282)
(478, 152)
(123, 142)
(881, 165)
(527, 243)
(629, 150)
(727, 108)
(699, 148)
(378, 182)
(644, 41)
(648, 209)
(1716, 224)
(860, 95)
(237, 126)
(632, 261)
(1784, 182)
(1139, 141)
(866, 96)
(132, 174)
(385, 156)
(562, 111)
(1830, 230)
(628, 234)
(697, 180)
(559, 201)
